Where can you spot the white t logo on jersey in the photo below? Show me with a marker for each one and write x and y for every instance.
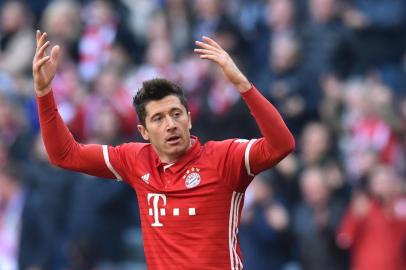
(156, 211)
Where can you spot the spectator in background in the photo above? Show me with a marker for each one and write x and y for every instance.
(209, 15)
(26, 235)
(62, 21)
(48, 191)
(378, 28)
(16, 47)
(315, 145)
(284, 181)
(326, 42)
(374, 227)
(277, 21)
(12, 121)
(264, 229)
(108, 93)
(315, 222)
(44, 216)
(289, 85)
(178, 15)
(370, 127)
(11, 208)
(159, 62)
(102, 29)
(330, 106)
(96, 224)
(139, 17)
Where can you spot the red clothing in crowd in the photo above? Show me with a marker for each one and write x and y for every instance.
(377, 241)
(189, 210)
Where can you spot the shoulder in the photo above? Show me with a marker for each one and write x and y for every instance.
(226, 143)
(131, 148)
(133, 145)
(228, 146)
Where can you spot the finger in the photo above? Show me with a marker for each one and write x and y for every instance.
(205, 51)
(209, 57)
(55, 54)
(41, 51)
(212, 42)
(38, 35)
(40, 63)
(206, 46)
(42, 40)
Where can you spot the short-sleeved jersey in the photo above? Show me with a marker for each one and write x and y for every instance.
(190, 209)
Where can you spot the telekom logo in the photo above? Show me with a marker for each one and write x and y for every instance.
(156, 211)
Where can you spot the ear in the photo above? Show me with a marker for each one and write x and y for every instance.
(190, 120)
(143, 131)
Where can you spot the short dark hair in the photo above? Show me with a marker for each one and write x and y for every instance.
(156, 89)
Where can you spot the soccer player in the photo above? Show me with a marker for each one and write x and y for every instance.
(190, 195)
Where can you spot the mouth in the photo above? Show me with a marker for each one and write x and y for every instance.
(173, 140)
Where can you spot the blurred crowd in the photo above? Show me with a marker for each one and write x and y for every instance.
(335, 69)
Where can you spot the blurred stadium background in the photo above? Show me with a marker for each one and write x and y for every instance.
(335, 69)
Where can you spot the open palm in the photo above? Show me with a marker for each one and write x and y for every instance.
(44, 66)
(211, 50)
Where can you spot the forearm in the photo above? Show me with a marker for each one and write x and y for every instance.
(242, 84)
(62, 149)
(278, 140)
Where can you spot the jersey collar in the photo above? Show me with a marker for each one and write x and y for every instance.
(190, 154)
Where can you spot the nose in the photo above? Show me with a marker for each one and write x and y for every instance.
(170, 123)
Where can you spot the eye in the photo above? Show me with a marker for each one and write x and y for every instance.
(157, 118)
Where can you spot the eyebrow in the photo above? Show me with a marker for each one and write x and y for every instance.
(171, 110)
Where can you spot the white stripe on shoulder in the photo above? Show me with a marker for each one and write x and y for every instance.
(107, 160)
(247, 157)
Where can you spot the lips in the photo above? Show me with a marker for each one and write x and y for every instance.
(174, 139)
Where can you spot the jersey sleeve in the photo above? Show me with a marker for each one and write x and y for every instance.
(65, 152)
(234, 162)
(122, 160)
(277, 141)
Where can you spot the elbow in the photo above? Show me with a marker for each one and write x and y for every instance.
(56, 161)
(288, 147)
(291, 144)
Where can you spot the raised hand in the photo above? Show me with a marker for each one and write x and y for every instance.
(44, 66)
(211, 50)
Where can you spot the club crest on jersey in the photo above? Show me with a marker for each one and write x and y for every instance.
(192, 177)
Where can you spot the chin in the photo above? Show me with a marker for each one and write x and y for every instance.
(177, 150)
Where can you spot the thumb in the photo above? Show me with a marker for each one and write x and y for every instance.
(55, 54)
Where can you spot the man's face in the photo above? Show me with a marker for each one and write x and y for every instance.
(167, 127)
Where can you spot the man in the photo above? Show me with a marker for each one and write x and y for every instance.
(189, 194)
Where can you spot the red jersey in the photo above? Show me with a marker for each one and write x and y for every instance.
(190, 209)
